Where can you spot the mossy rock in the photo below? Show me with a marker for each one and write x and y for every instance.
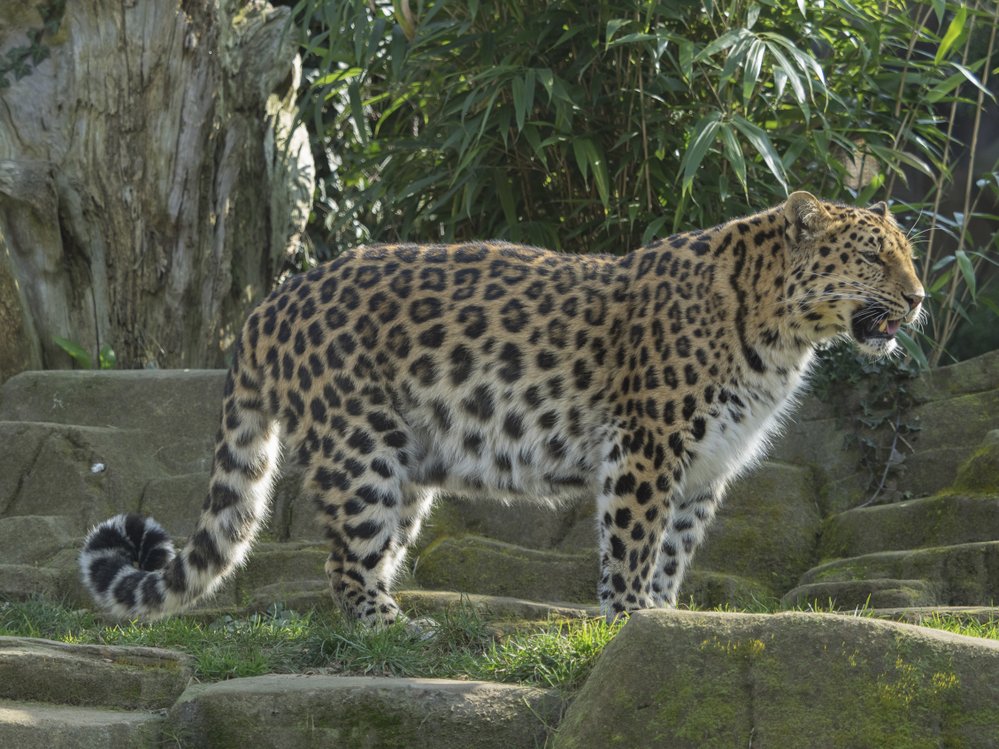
(708, 680)
(824, 446)
(956, 424)
(932, 521)
(535, 525)
(362, 712)
(963, 575)
(862, 594)
(35, 725)
(705, 589)
(766, 529)
(974, 375)
(980, 472)
(274, 563)
(472, 564)
(119, 677)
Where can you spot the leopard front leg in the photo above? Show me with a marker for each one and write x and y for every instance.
(688, 518)
(633, 511)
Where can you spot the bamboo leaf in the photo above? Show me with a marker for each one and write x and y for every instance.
(759, 140)
(967, 271)
(751, 69)
(953, 33)
(75, 350)
(733, 154)
(705, 133)
(913, 349)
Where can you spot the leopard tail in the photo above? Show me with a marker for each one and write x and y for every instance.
(130, 565)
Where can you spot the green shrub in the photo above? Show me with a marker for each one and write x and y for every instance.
(596, 127)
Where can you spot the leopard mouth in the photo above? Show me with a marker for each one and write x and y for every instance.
(872, 325)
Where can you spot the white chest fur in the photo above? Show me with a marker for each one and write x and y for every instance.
(739, 432)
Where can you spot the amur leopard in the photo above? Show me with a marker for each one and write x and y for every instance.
(646, 381)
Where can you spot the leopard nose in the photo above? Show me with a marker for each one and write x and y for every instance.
(914, 300)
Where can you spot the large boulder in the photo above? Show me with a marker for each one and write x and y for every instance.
(704, 680)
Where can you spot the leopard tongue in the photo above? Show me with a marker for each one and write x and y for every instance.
(889, 327)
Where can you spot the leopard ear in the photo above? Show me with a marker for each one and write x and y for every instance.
(881, 209)
(804, 214)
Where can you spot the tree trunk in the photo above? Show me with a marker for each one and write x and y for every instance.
(152, 179)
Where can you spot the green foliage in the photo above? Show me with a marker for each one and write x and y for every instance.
(597, 127)
(106, 358)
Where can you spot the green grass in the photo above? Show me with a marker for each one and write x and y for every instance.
(989, 629)
(556, 654)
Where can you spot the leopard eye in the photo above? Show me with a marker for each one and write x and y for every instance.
(873, 254)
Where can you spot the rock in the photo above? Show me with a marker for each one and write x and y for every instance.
(766, 530)
(83, 473)
(980, 472)
(705, 589)
(23, 581)
(704, 680)
(30, 539)
(362, 712)
(120, 677)
(824, 446)
(970, 376)
(287, 563)
(534, 525)
(862, 594)
(961, 575)
(31, 725)
(175, 501)
(932, 521)
(495, 608)
(472, 564)
(959, 422)
(179, 401)
(21, 445)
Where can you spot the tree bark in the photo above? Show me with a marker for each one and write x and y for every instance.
(152, 177)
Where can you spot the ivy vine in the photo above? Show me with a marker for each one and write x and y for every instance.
(20, 60)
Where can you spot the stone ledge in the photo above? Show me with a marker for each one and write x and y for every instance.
(119, 677)
(363, 711)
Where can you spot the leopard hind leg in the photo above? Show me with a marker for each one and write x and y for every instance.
(362, 507)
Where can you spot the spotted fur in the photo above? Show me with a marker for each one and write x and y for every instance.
(646, 381)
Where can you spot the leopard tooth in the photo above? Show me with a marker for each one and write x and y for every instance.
(883, 327)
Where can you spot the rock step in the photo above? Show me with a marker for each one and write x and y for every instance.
(315, 595)
(473, 564)
(362, 711)
(861, 594)
(91, 675)
(960, 575)
(89, 398)
(693, 680)
(918, 523)
(33, 725)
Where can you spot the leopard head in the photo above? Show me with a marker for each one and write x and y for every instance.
(853, 272)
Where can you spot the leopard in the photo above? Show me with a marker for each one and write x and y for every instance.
(645, 381)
